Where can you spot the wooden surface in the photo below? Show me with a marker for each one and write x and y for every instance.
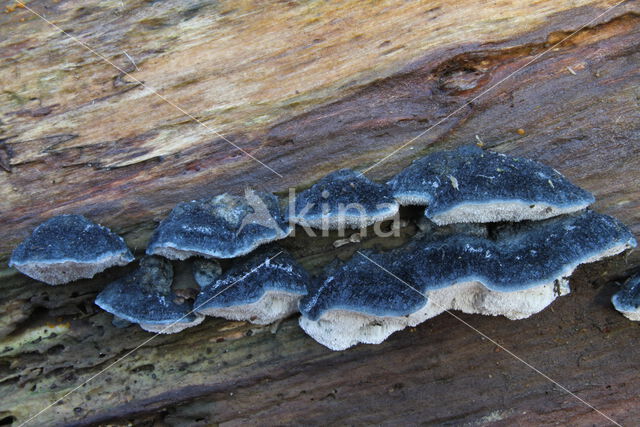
(307, 87)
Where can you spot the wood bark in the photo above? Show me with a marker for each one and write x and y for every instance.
(307, 88)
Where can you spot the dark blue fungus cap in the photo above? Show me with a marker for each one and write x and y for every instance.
(225, 226)
(522, 256)
(516, 275)
(145, 297)
(362, 286)
(344, 199)
(206, 271)
(363, 300)
(67, 248)
(520, 273)
(471, 185)
(261, 288)
(627, 301)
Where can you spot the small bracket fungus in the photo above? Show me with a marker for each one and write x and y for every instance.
(223, 227)
(344, 199)
(67, 248)
(471, 185)
(261, 288)
(627, 301)
(206, 271)
(517, 275)
(358, 302)
(145, 297)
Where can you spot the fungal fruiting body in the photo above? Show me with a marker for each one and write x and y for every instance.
(206, 271)
(627, 301)
(359, 302)
(516, 275)
(472, 185)
(456, 262)
(69, 247)
(344, 199)
(145, 297)
(225, 226)
(261, 288)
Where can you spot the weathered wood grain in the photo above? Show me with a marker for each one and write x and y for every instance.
(336, 86)
(307, 87)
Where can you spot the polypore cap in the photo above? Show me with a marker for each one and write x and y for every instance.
(344, 199)
(471, 185)
(145, 297)
(262, 288)
(627, 300)
(225, 226)
(69, 247)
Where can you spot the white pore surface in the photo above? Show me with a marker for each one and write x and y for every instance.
(274, 305)
(341, 329)
(68, 271)
(512, 211)
(171, 328)
(631, 315)
(412, 199)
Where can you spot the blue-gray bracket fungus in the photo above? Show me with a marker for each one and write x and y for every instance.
(260, 288)
(627, 301)
(518, 274)
(344, 199)
(225, 226)
(145, 297)
(357, 302)
(69, 247)
(206, 271)
(471, 185)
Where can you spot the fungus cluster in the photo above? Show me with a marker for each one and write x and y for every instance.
(516, 274)
(500, 236)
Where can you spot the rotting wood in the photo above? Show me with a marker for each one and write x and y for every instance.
(334, 87)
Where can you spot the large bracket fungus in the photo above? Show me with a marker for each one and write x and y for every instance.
(69, 247)
(344, 199)
(472, 185)
(261, 288)
(225, 226)
(145, 297)
(627, 301)
(516, 275)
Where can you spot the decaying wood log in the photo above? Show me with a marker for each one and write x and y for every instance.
(307, 88)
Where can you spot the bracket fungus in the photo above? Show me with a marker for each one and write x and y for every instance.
(358, 302)
(225, 226)
(472, 185)
(69, 247)
(261, 288)
(516, 275)
(145, 297)
(627, 301)
(455, 262)
(205, 271)
(344, 199)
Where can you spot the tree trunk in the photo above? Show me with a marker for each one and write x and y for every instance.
(180, 100)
